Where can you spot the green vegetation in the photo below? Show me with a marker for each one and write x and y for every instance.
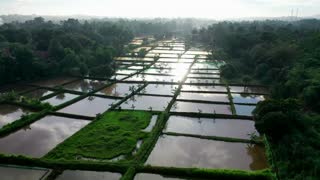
(38, 48)
(286, 56)
(115, 133)
(208, 173)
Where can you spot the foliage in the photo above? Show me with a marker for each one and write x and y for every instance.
(38, 48)
(286, 56)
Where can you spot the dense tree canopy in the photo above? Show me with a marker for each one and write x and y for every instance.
(285, 56)
(39, 48)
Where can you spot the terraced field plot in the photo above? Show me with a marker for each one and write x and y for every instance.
(151, 120)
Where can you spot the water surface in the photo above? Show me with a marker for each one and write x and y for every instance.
(244, 98)
(204, 88)
(90, 106)
(180, 106)
(119, 89)
(38, 93)
(60, 99)
(204, 97)
(10, 113)
(88, 175)
(140, 102)
(40, 137)
(161, 89)
(85, 85)
(180, 151)
(211, 127)
(21, 173)
(244, 110)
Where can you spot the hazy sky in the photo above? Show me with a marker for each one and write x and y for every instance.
(217, 9)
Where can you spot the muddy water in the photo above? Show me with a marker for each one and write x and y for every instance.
(180, 106)
(20, 173)
(161, 89)
(243, 98)
(37, 94)
(86, 175)
(119, 89)
(204, 88)
(182, 151)
(40, 137)
(139, 102)
(211, 127)
(90, 106)
(152, 123)
(53, 81)
(60, 99)
(85, 85)
(244, 109)
(204, 96)
(10, 113)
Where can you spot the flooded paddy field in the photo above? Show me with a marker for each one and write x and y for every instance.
(52, 82)
(180, 151)
(160, 89)
(119, 89)
(85, 85)
(85, 175)
(211, 88)
(204, 97)
(141, 129)
(40, 137)
(245, 110)
(38, 93)
(60, 99)
(22, 173)
(97, 105)
(146, 176)
(180, 106)
(232, 128)
(142, 102)
(11, 113)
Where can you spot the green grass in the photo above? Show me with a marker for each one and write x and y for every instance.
(115, 133)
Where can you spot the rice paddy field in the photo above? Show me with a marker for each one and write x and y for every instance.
(170, 117)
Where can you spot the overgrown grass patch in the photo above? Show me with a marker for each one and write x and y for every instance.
(115, 133)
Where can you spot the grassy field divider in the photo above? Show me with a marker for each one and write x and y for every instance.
(114, 106)
(129, 175)
(226, 174)
(22, 122)
(65, 164)
(216, 138)
(233, 109)
(270, 156)
(73, 116)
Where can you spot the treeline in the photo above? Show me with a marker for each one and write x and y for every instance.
(286, 56)
(39, 48)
